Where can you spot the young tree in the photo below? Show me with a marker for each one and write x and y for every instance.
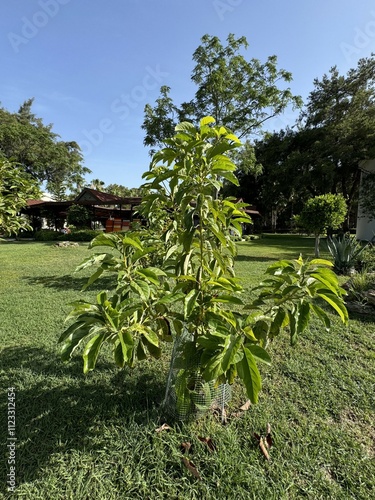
(193, 296)
(16, 188)
(321, 213)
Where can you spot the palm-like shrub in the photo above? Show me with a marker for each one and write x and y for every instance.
(345, 252)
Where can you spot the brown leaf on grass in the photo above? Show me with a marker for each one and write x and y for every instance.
(257, 436)
(208, 441)
(263, 448)
(164, 427)
(192, 468)
(185, 446)
(268, 438)
(245, 406)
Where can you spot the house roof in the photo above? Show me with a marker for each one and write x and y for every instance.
(95, 196)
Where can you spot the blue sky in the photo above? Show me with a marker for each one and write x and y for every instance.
(92, 65)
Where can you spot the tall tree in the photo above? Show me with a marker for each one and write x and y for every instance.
(37, 149)
(321, 154)
(341, 111)
(240, 94)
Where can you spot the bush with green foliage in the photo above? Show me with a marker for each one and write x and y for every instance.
(79, 235)
(367, 260)
(194, 292)
(346, 252)
(78, 216)
(16, 187)
(321, 213)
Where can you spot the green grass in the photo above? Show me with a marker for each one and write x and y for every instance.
(93, 437)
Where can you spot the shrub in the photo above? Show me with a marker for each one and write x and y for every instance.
(367, 260)
(47, 235)
(80, 235)
(345, 252)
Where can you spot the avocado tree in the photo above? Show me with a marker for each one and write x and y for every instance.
(321, 213)
(193, 297)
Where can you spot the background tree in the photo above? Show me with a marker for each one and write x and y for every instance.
(123, 191)
(78, 216)
(321, 213)
(25, 139)
(16, 188)
(320, 154)
(241, 95)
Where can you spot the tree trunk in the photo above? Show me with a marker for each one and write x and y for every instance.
(317, 240)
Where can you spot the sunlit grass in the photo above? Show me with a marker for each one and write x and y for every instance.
(94, 436)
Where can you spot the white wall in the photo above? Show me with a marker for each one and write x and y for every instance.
(365, 228)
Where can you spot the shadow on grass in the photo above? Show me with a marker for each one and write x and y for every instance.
(59, 410)
(68, 281)
(250, 258)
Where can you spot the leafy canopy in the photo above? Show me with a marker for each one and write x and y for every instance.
(38, 151)
(239, 94)
(16, 188)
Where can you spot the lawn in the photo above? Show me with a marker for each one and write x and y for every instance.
(94, 437)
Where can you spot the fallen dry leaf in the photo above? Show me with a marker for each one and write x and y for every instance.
(263, 448)
(164, 427)
(208, 441)
(268, 439)
(245, 406)
(191, 467)
(185, 446)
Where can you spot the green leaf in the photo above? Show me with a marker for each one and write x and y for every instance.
(171, 297)
(151, 337)
(93, 278)
(227, 299)
(249, 374)
(229, 176)
(91, 352)
(259, 353)
(148, 275)
(104, 239)
(278, 322)
(230, 353)
(206, 120)
(321, 262)
(127, 344)
(73, 340)
(190, 302)
(119, 355)
(303, 316)
(321, 315)
(127, 241)
(337, 304)
(141, 288)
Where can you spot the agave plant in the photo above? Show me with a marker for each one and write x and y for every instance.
(345, 252)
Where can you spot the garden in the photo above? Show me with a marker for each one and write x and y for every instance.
(95, 435)
(114, 353)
